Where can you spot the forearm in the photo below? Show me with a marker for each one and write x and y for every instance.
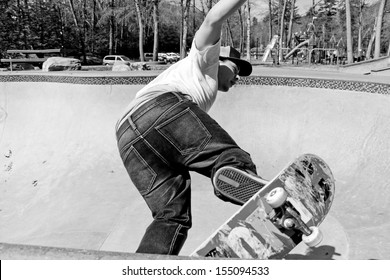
(222, 10)
(210, 30)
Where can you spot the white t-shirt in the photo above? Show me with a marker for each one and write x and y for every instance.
(195, 76)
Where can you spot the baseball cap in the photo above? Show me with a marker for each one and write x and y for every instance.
(233, 55)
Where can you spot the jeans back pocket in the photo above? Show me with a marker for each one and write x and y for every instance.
(185, 132)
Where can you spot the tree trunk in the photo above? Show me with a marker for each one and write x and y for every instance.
(388, 50)
(349, 32)
(76, 23)
(270, 20)
(26, 23)
(194, 28)
(230, 34)
(290, 25)
(21, 24)
(62, 32)
(377, 50)
(84, 51)
(372, 40)
(78, 29)
(93, 27)
(283, 12)
(241, 45)
(360, 29)
(156, 20)
(209, 4)
(248, 31)
(112, 28)
(141, 31)
(185, 7)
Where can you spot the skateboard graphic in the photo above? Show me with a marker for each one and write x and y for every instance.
(284, 212)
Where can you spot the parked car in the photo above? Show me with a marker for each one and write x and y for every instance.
(111, 59)
(174, 57)
(170, 57)
(149, 57)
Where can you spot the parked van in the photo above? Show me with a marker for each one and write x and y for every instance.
(111, 59)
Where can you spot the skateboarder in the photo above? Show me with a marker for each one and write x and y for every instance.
(166, 132)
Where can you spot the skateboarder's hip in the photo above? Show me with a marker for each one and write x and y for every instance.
(173, 131)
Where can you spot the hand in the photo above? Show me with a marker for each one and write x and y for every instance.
(210, 30)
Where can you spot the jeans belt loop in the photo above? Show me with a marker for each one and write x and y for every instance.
(131, 123)
(180, 96)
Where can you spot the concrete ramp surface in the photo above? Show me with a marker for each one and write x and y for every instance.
(62, 182)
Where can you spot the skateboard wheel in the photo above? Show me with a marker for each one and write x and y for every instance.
(276, 197)
(314, 238)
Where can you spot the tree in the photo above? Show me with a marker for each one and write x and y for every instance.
(99, 27)
(349, 32)
(248, 31)
(241, 37)
(156, 19)
(362, 4)
(270, 20)
(229, 34)
(388, 51)
(290, 25)
(194, 27)
(372, 40)
(79, 30)
(112, 27)
(379, 28)
(330, 17)
(282, 14)
(141, 30)
(169, 29)
(185, 8)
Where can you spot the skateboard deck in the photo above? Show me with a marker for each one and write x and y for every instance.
(261, 229)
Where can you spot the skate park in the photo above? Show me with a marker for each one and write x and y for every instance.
(64, 192)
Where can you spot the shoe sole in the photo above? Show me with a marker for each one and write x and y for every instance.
(237, 185)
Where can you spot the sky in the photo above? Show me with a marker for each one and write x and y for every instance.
(261, 6)
(304, 5)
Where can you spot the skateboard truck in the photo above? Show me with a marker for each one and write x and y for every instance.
(289, 218)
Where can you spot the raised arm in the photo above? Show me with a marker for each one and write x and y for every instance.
(210, 30)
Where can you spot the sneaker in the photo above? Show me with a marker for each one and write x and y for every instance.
(235, 185)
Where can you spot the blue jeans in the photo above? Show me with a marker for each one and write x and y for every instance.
(159, 144)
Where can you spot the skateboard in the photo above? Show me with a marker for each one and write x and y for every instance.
(284, 212)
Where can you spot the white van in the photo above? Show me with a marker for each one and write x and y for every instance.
(111, 59)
